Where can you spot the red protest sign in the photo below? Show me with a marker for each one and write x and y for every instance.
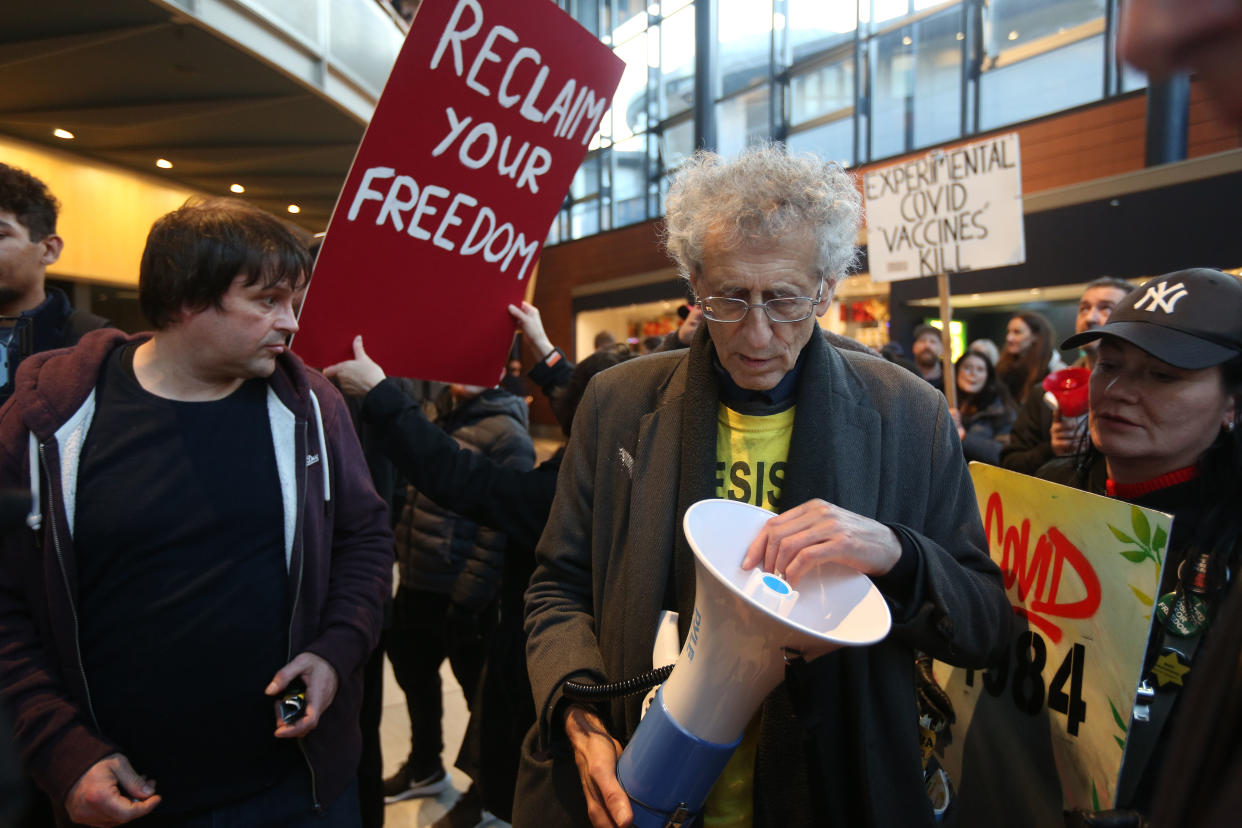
(485, 118)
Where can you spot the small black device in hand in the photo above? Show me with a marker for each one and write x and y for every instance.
(292, 704)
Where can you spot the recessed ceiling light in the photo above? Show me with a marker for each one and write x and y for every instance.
(961, 36)
(163, 163)
(237, 188)
(1013, 35)
(293, 208)
(63, 133)
(906, 41)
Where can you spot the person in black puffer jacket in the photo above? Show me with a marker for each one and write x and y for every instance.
(450, 574)
(515, 502)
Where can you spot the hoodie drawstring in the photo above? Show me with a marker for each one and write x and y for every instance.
(323, 448)
(34, 519)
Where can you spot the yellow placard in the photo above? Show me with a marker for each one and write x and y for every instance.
(1046, 730)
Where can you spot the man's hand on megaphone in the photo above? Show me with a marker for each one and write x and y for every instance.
(794, 543)
(596, 752)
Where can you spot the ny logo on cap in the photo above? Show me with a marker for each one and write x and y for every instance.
(1161, 297)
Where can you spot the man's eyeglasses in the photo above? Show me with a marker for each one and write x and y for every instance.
(785, 309)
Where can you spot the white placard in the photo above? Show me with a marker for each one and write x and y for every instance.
(946, 212)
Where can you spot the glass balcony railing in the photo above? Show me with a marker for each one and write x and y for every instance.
(344, 49)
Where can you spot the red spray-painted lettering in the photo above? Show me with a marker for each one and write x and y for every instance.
(1052, 552)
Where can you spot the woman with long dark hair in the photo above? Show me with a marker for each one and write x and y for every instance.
(985, 411)
(1028, 353)
(1165, 397)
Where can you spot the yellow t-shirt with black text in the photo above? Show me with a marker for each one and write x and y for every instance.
(751, 453)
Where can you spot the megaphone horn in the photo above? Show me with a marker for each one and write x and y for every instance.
(744, 626)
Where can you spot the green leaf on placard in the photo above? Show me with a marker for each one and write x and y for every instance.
(1095, 797)
(1120, 743)
(1134, 555)
(1158, 539)
(1142, 528)
(1120, 535)
(1117, 716)
(1143, 597)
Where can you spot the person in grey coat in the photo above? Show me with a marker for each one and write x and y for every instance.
(861, 460)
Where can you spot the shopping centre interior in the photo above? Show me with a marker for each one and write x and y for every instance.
(128, 107)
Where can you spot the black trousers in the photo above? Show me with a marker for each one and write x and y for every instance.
(371, 762)
(417, 646)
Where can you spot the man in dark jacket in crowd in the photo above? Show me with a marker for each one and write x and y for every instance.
(33, 317)
(204, 540)
(450, 570)
(927, 348)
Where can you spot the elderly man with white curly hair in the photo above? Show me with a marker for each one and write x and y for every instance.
(861, 460)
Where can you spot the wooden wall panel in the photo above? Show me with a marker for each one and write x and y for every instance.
(626, 251)
(1079, 146)
(623, 252)
(1209, 132)
(1067, 148)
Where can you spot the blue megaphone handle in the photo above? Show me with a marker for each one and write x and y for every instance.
(665, 767)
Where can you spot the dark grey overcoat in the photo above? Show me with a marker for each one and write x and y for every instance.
(839, 743)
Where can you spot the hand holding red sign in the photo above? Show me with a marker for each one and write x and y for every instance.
(484, 121)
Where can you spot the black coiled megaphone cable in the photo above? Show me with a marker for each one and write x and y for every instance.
(576, 691)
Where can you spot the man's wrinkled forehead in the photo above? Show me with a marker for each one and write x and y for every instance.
(778, 266)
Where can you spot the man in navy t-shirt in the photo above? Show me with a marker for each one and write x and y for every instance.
(205, 533)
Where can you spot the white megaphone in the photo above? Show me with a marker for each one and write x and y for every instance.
(744, 625)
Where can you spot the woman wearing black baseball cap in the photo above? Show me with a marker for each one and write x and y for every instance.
(1165, 397)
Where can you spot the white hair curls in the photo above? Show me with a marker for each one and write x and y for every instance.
(766, 194)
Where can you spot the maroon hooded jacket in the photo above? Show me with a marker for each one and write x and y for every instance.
(340, 563)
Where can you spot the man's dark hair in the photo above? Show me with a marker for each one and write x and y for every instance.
(29, 199)
(924, 328)
(1109, 281)
(194, 253)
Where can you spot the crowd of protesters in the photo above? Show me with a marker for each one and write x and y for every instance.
(198, 550)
